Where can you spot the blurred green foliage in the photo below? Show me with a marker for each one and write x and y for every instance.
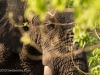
(42, 6)
(87, 19)
(94, 62)
(87, 16)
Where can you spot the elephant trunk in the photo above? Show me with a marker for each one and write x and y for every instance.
(32, 57)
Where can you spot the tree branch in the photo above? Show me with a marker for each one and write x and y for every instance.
(90, 48)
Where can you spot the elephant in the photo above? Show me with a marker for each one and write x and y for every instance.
(11, 24)
(10, 44)
(51, 42)
(53, 39)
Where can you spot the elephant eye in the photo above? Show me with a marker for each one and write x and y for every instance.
(50, 26)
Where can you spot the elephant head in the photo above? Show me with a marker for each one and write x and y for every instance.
(57, 42)
(54, 38)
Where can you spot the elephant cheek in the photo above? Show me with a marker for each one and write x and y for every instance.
(47, 71)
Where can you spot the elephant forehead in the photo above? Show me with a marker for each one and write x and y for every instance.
(61, 17)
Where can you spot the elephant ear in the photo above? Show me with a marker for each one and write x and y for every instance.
(15, 12)
(3, 6)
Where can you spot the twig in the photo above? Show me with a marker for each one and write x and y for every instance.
(97, 34)
(89, 48)
(76, 65)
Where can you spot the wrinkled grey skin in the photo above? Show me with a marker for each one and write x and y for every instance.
(51, 40)
(10, 44)
(55, 42)
(10, 35)
(35, 66)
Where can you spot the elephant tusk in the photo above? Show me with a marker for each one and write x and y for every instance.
(47, 71)
(32, 57)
